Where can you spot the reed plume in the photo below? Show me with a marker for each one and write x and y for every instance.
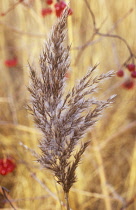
(63, 118)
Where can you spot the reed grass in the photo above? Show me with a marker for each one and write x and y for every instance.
(106, 177)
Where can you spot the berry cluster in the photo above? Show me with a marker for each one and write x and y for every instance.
(58, 8)
(6, 166)
(11, 62)
(129, 83)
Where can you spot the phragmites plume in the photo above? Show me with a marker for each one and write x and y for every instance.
(63, 118)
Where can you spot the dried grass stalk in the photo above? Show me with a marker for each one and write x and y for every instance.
(63, 120)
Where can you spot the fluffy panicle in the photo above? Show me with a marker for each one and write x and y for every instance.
(63, 120)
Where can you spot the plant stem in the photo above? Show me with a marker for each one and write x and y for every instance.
(67, 200)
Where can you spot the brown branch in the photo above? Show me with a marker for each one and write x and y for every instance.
(12, 7)
(97, 32)
(92, 14)
(4, 191)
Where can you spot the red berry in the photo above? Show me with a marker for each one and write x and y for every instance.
(62, 5)
(70, 11)
(120, 73)
(49, 2)
(128, 84)
(59, 7)
(6, 166)
(58, 13)
(46, 11)
(58, 10)
(11, 63)
(131, 67)
(3, 172)
(133, 74)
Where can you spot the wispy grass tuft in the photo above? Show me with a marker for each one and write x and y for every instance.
(63, 118)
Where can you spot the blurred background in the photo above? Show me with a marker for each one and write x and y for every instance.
(99, 31)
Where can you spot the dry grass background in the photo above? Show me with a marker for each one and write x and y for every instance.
(107, 175)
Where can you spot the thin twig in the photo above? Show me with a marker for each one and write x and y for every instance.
(12, 7)
(97, 32)
(22, 32)
(121, 131)
(44, 186)
(4, 192)
(47, 189)
(33, 153)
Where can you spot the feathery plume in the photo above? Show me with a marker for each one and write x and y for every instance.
(63, 120)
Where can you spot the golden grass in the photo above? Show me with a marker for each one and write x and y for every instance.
(107, 175)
